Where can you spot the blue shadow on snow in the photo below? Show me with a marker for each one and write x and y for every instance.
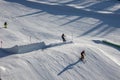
(70, 66)
(20, 49)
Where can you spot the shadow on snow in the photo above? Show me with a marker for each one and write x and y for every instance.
(111, 20)
(70, 66)
(28, 48)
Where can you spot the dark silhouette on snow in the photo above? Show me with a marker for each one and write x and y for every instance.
(82, 55)
(63, 38)
(5, 25)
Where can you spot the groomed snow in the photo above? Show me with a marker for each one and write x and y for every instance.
(32, 49)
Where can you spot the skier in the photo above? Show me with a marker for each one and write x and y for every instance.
(5, 25)
(63, 38)
(82, 55)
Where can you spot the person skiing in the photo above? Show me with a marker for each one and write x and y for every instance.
(5, 25)
(82, 55)
(63, 38)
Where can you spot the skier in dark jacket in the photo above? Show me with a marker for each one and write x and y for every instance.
(63, 38)
(5, 25)
(82, 55)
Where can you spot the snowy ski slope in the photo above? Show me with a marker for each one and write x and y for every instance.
(32, 48)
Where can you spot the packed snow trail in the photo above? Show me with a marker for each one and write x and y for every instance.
(82, 21)
(60, 18)
(58, 64)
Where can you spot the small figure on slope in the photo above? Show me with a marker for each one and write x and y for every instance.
(63, 38)
(5, 25)
(82, 55)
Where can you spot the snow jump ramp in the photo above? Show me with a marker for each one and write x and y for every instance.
(25, 48)
(17, 49)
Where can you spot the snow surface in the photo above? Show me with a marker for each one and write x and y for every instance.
(32, 49)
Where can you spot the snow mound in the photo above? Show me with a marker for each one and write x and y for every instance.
(25, 48)
(111, 43)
